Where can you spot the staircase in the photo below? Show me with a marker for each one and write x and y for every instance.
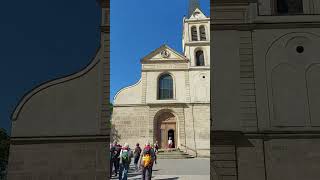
(172, 154)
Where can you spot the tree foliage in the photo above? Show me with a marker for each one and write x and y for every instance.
(111, 108)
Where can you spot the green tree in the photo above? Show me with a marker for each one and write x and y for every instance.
(111, 108)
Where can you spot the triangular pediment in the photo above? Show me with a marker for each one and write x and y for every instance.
(197, 14)
(164, 54)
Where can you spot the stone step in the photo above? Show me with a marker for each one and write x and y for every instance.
(175, 157)
(167, 150)
(173, 154)
(176, 152)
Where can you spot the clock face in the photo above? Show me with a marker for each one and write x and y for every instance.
(165, 54)
(197, 14)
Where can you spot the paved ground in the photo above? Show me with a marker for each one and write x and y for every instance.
(184, 169)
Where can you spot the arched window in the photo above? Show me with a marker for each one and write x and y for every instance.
(199, 58)
(165, 86)
(194, 33)
(202, 33)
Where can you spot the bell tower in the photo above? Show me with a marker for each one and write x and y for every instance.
(196, 36)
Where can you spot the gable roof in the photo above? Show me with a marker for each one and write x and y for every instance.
(156, 56)
(201, 14)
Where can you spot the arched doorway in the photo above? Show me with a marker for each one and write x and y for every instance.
(165, 125)
(171, 136)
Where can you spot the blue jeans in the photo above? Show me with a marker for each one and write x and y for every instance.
(123, 172)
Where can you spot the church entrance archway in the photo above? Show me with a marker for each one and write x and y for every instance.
(166, 128)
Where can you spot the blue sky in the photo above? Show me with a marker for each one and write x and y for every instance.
(139, 28)
(42, 40)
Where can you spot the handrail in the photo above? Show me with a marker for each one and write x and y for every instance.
(188, 148)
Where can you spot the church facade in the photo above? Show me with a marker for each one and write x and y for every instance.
(172, 98)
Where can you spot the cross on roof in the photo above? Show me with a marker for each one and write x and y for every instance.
(193, 4)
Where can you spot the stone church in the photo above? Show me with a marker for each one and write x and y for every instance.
(265, 89)
(172, 97)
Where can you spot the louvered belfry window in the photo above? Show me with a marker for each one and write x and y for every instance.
(202, 33)
(199, 58)
(289, 7)
(165, 86)
(194, 33)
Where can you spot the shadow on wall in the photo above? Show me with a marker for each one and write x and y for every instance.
(114, 134)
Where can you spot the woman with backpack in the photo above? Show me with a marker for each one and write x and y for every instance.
(125, 160)
(146, 161)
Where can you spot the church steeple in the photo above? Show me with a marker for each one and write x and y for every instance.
(196, 36)
(193, 4)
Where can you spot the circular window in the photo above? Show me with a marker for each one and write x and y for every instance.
(300, 49)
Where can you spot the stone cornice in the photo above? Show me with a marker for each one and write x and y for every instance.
(161, 70)
(164, 61)
(167, 104)
(198, 43)
(231, 2)
(129, 105)
(197, 20)
(176, 69)
(250, 26)
(161, 104)
(59, 139)
(197, 68)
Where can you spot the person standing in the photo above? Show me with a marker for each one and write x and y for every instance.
(156, 150)
(115, 152)
(170, 143)
(125, 160)
(146, 161)
(137, 152)
(156, 146)
(111, 162)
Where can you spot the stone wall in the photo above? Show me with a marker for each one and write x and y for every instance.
(63, 161)
(131, 125)
(197, 128)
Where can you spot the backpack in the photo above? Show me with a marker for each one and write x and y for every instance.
(114, 152)
(147, 159)
(125, 157)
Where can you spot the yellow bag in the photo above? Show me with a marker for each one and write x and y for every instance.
(146, 160)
